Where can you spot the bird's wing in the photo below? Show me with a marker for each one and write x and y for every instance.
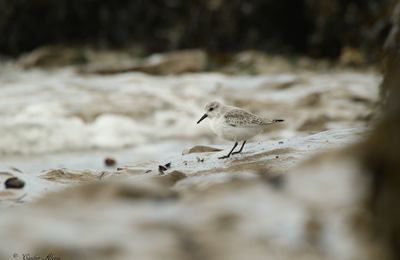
(239, 117)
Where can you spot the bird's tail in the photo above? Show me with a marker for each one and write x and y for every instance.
(273, 121)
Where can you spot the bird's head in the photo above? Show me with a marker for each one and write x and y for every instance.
(212, 109)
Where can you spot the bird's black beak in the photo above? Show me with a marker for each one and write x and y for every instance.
(201, 119)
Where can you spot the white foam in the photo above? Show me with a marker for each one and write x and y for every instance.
(56, 111)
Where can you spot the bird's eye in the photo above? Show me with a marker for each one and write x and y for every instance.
(211, 109)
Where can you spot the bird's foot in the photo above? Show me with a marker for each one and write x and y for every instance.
(236, 152)
(224, 157)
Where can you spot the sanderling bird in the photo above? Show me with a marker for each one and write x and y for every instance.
(234, 124)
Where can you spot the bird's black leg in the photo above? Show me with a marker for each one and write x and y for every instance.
(229, 154)
(241, 148)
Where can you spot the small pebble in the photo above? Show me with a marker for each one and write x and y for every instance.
(119, 169)
(161, 168)
(110, 161)
(168, 165)
(14, 183)
(280, 142)
(148, 171)
(277, 156)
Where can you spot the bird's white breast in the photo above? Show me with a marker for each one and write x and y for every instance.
(232, 133)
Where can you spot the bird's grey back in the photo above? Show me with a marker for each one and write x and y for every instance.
(240, 117)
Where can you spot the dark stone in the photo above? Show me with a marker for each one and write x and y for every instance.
(162, 168)
(110, 161)
(14, 183)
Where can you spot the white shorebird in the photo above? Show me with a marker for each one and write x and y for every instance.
(234, 124)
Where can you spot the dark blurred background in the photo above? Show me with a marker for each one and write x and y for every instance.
(319, 28)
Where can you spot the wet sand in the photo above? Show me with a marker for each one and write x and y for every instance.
(294, 192)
